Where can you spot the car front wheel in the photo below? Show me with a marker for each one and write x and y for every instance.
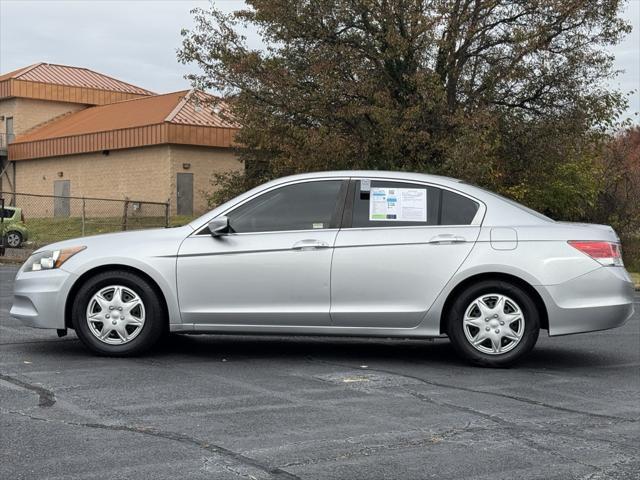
(118, 313)
(493, 323)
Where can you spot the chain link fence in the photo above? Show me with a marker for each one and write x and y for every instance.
(37, 220)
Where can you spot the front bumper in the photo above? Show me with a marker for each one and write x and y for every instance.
(39, 298)
(598, 300)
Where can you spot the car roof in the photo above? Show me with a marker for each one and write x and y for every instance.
(373, 174)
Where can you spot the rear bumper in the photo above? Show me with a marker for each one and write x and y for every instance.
(39, 298)
(598, 300)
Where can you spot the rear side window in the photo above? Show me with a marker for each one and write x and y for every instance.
(394, 204)
(301, 206)
(7, 213)
(456, 209)
(383, 203)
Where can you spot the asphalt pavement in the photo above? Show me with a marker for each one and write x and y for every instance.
(229, 407)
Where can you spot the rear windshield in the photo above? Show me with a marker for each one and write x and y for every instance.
(7, 212)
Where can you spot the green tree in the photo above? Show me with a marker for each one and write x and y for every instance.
(504, 93)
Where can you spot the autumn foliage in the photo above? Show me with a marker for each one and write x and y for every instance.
(511, 95)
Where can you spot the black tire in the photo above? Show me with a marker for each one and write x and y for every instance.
(153, 329)
(462, 345)
(16, 234)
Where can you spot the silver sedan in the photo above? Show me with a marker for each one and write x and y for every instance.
(339, 253)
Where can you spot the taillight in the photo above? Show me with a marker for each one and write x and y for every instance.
(606, 253)
(22, 216)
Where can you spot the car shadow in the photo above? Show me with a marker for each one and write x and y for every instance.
(356, 350)
(350, 351)
(269, 347)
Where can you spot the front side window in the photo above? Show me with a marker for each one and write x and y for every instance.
(301, 206)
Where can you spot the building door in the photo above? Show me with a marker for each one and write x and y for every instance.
(9, 129)
(185, 193)
(61, 204)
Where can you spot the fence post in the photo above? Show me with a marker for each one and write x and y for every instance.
(125, 214)
(2, 250)
(166, 213)
(83, 215)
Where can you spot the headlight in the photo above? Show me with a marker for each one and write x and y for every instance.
(50, 259)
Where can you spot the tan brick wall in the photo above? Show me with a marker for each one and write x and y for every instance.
(204, 162)
(28, 113)
(137, 173)
(146, 174)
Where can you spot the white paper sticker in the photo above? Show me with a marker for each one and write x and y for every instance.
(318, 225)
(365, 185)
(398, 204)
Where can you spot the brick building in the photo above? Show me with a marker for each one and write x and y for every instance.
(71, 131)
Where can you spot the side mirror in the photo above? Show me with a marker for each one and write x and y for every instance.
(219, 226)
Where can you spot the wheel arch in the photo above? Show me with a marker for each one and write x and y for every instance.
(499, 276)
(106, 268)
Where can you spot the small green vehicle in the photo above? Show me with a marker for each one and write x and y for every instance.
(12, 227)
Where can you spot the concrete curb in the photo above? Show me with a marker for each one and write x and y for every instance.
(10, 261)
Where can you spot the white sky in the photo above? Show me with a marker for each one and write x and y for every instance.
(136, 40)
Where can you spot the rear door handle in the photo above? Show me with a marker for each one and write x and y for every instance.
(309, 244)
(447, 239)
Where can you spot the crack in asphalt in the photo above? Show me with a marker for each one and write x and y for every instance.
(210, 447)
(371, 450)
(275, 472)
(528, 401)
(512, 429)
(46, 397)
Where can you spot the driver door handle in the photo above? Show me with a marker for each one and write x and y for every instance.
(447, 239)
(309, 244)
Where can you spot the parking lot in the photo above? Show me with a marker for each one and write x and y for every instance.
(227, 407)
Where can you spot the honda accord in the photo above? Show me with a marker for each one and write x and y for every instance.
(364, 253)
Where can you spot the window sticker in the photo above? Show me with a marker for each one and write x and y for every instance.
(398, 204)
(318, 225)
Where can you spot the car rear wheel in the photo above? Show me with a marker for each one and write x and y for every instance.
(118, 313)
(13, 239)
(493, 323)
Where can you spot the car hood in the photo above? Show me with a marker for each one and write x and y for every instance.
(133, 242)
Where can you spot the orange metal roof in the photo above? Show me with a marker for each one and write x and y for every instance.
(187, 117)
(176, 108)
(72, 77)
(199, 108)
